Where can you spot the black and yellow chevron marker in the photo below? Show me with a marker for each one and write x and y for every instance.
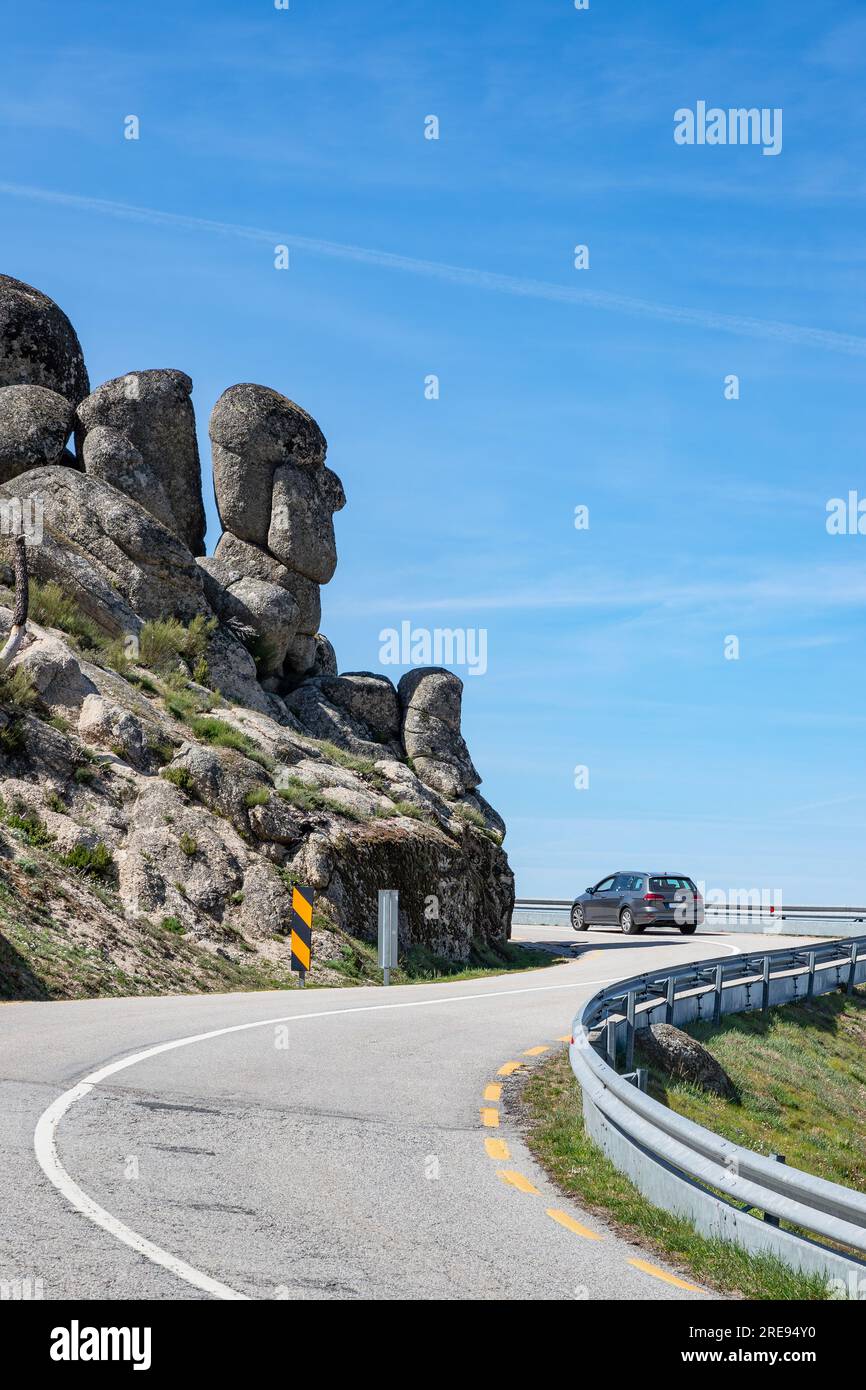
(302, 929)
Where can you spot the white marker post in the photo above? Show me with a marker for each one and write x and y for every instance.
(389, 917)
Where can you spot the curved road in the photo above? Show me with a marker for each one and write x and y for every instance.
(328, 1144)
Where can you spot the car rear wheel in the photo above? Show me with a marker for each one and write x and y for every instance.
(690, 929)
(578, 921)
(627, 922)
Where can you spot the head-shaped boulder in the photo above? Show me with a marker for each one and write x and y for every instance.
(254, 431)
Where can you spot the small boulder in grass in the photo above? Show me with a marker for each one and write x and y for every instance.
(681, 1056)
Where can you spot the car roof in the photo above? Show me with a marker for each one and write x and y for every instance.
(651, 873)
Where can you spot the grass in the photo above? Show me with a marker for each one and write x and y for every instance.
(188, 845)
(221, 735)
(334, 754)
(17, 688)
(556, 1135)
(52, 607)
(800, 1075)
(260, 796)
(305, 798)
(163, 642)
(469, 816)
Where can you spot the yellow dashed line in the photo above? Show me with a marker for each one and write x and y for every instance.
(517, 1180)
(566, 1037)
(571, 1225)
(660, 1274)
(509, 1068)
(489, 1117)
(535, 1051)
(492, 1092)
(497, 1149)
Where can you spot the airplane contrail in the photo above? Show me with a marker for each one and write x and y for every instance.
(743, 326)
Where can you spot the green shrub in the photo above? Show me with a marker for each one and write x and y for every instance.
(31, 827)
(469, 816)
(12, 737)
(52, 607)
(95, 861)
(165, 641)
(173, 924)
(56, 803)
(180, 777)
(260, 797)
(188, 844)
(83, 774)
(17, 689)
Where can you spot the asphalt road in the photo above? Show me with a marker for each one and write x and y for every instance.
(327, 1144)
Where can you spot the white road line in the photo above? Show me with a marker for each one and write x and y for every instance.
(45, 1143)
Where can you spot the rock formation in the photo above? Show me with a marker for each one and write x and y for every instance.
(38, 345)
(185, 721)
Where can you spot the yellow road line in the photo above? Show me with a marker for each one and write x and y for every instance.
(571, 1225)
(509, 1068)
(517, 1180)
(497, 1149)
(489, 1117)
(492, 1092)
(660, 1274)
(535, 1051)
(566, 1037)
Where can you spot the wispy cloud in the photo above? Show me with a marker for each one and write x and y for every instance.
(767, 329)
(818, 587)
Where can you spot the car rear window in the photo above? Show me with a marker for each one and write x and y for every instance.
(671, 885)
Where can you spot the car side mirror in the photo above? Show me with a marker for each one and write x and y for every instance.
(590, 890)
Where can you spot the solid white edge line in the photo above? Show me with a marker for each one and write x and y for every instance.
(45, 1143)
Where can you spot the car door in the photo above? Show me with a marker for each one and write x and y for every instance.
(601, 903)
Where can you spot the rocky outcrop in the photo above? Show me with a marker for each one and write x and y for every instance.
(677, 1054)
(107, 553)
(34, 426)
(153, 411)
(210, 773)
(38, 345)
(431, 700)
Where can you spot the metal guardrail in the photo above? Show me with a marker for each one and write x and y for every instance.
(687, 1169)
(855, 914)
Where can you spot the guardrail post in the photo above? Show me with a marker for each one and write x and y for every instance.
(811, 989)
(629, 1035)
(717, 1001)
(852, 968)
(610, 1042)
(765, 992)
(773, 1220)
(669, 1000)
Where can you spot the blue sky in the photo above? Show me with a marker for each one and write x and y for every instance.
(559, 387)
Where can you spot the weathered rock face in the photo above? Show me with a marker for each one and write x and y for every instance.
(112, 458)
(108, 553)
(431, 700)
(277, 502)
(38, 345)
(153, 411)
(301, 532)
(34, 426)
(679, 1055)
(266, 609)
(254, 430)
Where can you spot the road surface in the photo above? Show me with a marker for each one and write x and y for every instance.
(329, 1144)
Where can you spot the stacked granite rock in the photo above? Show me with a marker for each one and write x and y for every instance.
(125, 525)
(276, 500)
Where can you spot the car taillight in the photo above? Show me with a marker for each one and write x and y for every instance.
(653, 898)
